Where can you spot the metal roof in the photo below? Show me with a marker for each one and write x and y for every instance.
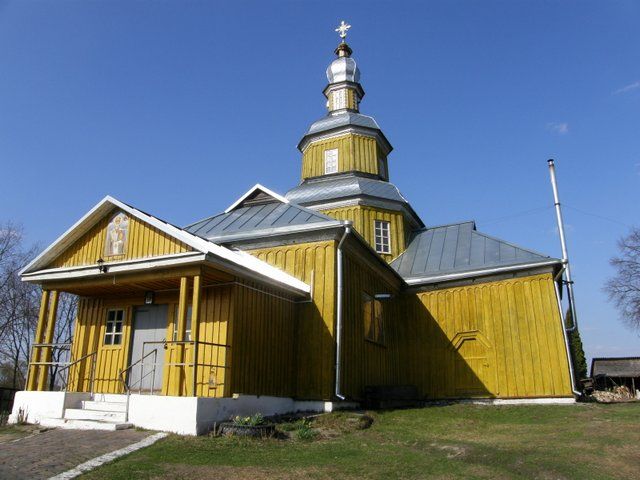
(332, 188)
(335, 120)
(616, 367)
(456, 248)
(256, 218)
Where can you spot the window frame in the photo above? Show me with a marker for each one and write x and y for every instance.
(112, 336)
(379, 240)
(331, 161)
(376, 333)
(339, 99)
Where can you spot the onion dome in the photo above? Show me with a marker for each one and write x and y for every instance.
(343, 68)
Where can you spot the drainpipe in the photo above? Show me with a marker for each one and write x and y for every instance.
(339, 302)
(566, 269)
(563, 244)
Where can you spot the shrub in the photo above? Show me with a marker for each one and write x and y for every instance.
(250, 421)
(304, 430)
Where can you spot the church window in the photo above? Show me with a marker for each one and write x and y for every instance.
(113, 330)
(339, 99)
(373, 321)
(382, 235)
(330, 161)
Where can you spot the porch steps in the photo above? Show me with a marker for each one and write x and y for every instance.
(83, 424)
(104, 406)
(98, 415)
(104, 412)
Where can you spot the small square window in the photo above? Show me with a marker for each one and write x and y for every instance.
(331, 161)
(382, 236)
(113, 329)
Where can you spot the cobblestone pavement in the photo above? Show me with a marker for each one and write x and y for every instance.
(49, 453)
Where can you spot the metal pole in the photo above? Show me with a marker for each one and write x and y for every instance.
(563, 244)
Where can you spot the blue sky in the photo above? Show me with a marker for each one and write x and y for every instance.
(179, 107)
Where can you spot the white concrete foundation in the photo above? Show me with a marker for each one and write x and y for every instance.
(182, 415)
(33, 407)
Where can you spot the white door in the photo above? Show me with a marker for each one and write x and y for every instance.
(149, 325)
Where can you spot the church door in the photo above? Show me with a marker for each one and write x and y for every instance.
(149, 325)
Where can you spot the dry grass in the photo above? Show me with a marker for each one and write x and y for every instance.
(456, 441)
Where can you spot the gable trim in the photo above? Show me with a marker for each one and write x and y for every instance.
(122, 266)
(256, 187)
(197, 243)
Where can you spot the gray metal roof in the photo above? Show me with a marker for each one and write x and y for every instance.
(335, 120)
(457, 248)
(250, 218)
(332, 188)
(616, 367)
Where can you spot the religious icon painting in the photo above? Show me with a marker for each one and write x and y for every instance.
(117, 235)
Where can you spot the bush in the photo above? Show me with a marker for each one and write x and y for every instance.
(304, 431)
(251, 421)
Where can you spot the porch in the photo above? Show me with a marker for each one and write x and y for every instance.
(154, 350)
(140, 333)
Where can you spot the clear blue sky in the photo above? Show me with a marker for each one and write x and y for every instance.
(179, 107)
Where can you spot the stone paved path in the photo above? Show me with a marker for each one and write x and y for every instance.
(55, 451)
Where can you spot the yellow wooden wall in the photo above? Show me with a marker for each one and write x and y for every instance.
(364, 362)
(500, 339)
(363, 218)
(314, 264)
(143, 241)
(89, 337)
(263, 343)
(355, 153)
(216, 313)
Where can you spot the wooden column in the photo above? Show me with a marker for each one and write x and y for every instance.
(195, 320)
(32, 380)
(181, 327)
(45, 356)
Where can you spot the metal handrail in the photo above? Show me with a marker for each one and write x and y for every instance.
(127, 387)
(141, 359)
(65, 365)
(93, 369)
(194, 363)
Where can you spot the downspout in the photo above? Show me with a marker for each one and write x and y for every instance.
(339, 308)
(563, 245)
(566, 269)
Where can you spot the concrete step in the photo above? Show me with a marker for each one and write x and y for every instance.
(104, 406)
(73, 424)
(110, 397)
(98, 415)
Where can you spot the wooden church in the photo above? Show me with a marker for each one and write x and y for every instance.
(303, 301)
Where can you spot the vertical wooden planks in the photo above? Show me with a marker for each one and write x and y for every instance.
(517, 329)
(143, 241)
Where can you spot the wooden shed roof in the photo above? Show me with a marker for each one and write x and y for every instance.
(616, 367)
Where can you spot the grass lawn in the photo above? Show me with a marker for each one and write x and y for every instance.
(582, 441)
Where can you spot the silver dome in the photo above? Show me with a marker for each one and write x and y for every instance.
(343, 69)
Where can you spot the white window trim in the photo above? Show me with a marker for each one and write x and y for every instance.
(339, 98)
(379, 244)
(113, 334)
(331, 161)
